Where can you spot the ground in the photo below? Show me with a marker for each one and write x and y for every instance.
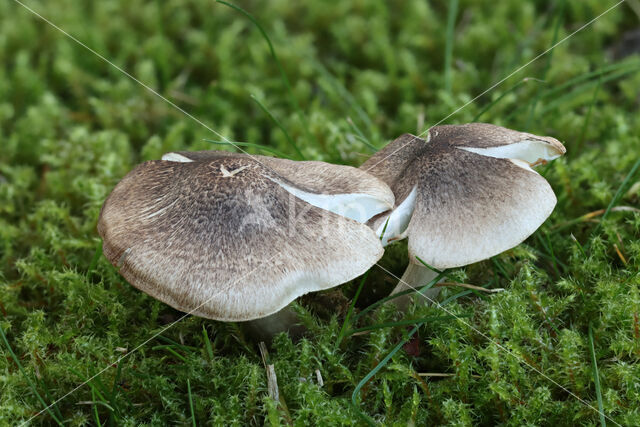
(562, 340)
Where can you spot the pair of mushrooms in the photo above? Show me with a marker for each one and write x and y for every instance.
(233, 237)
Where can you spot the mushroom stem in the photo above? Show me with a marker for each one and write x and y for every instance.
(285, 320)
(414, 277)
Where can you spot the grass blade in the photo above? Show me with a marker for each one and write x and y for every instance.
(193, 415)
(97, 390)
(576, 85)
(596, 377)
(207, 344)
(404, 323)
(359, 135)
(351, 308)
(562, 99)
(562, 88)
(285, 79)
(114, 391)
(282, 128)
(455, 297)
(503, 94)
(170, 349)
(587, 118)
(251, 145)
(348, 99)
(618, 195)
(31, 384)
(556, 29)
(399, 294)
(50, 398)
(448, 48)
(355, 298)
(383, 362)
(185, 348)
(96, 257)
(95, 408)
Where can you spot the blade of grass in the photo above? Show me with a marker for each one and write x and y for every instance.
(365, 142)
(584, 255)
(384, 229)
(590, 217)
(96, 403)
(581, 83)
(207, 344)
(339, 88)
(31, 384)
(162, 57)
(618, 195)
(403, 323)
(549, 249)
(95, 408)
(560, 100)
(351, 308)
(97, 388)
(452, 12)
(96, 257)
(428, 266)
(383, 362)
(252, 145)
(587, 118)
(499, 267)
(170, 349)
(503, 94)
(285, 79)
(583, 78)
(193, 415)
(355, 298)
(360, 135)
(114, 391)
(596, 377)
(456, 296)
(399, 294)
(50, 398)
(282, 128)
(549, 59)
(104, 395)
(183, 347)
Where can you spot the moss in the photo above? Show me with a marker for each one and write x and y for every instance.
(71, 126)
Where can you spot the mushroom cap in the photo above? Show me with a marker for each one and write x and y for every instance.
(359, 194)
(223, 235)
(466, 193)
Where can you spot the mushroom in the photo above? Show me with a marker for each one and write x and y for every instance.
(233, 237)
(466, 193)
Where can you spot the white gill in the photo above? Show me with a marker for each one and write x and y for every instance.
(530, 151)
(398, 221)
(357, 206)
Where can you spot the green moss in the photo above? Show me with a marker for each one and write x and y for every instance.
(362, 72)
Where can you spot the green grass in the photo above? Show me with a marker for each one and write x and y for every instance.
(334, 83)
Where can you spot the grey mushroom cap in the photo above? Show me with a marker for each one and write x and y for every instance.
(361, 195)
(230, 237)
(466, 193)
